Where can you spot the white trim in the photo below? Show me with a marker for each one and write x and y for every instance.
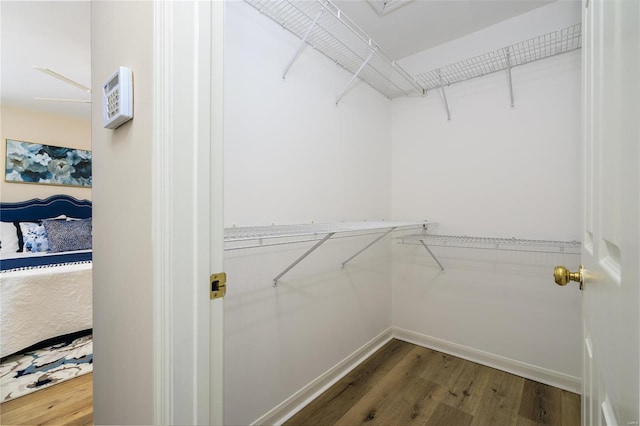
(181, 202)
(161, 213)
(286, 409)
(202, 202)
(529, 371)
(216, 160)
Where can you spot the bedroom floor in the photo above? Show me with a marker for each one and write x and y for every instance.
(66, 403)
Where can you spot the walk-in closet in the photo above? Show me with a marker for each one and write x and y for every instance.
(369, 197)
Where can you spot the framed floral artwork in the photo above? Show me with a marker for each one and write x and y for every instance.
(46, 164)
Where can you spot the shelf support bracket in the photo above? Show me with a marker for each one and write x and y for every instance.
(432, 255)
(303, 42)
(446, 104)
(369, 245)
(308, 252)
(509, 66)
(364, 64)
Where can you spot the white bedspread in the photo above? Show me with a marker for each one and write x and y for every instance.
(39, 304)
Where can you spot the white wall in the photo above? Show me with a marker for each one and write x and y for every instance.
(493, 171)
(292, 156)
(122, 245)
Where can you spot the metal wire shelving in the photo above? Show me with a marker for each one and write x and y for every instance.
(323, 26)
(544, 46)
(237, 238)
(490, 243)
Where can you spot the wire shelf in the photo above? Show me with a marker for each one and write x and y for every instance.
(544, 46)
(263, 236)
(489, 243)
(337, 37)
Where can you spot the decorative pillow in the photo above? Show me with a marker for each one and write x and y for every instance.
(8, 238)
(68, 235)
(34, 237)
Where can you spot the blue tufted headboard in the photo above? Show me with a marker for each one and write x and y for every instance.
(37, 209)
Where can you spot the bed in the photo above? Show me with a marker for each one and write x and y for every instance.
(46, 287)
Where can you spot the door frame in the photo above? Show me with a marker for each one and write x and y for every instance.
(187, 221)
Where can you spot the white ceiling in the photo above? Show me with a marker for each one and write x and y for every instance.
(422, 24)
(49, 34)
(56, 35)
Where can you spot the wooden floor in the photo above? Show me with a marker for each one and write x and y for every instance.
(401, 384)
(404, 384)
(67, 403)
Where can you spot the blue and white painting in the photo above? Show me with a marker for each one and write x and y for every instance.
(36, 163)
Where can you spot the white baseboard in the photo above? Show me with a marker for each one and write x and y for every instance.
(529, 371)
(285, 410)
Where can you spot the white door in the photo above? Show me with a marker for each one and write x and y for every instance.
(610, 255)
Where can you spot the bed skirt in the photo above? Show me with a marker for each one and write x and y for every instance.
(43, 303)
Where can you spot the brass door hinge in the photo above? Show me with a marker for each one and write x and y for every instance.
(218, 285)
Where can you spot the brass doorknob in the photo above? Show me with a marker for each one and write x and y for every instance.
(562, 275)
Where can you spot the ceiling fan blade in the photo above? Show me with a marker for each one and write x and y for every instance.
(63, 78)
(63, 100)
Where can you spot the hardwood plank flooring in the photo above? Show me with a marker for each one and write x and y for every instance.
(401, 384)
(405, 384)
(541, 404)
(337, 400)
(66, 403)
